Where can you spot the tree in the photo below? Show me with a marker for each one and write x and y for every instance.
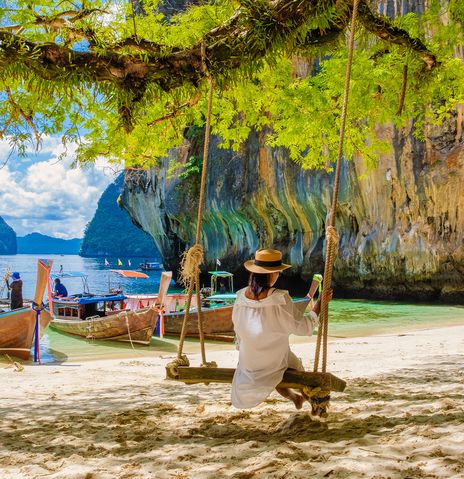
(126, 87)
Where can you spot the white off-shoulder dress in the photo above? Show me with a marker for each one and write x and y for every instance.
(262, 329)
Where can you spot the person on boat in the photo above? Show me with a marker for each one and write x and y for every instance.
(264, 318)
(16, 288)
(60, 289)
(222, 287)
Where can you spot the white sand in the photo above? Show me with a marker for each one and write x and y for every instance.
(402, 416)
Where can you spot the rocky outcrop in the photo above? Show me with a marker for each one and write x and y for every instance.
(111, 231)
(401, 225)
(7, 238)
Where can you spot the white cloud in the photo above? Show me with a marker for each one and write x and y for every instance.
(48, 196)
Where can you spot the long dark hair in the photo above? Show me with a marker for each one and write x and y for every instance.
(258, 283)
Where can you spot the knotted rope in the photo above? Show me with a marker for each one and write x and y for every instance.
(320, 400)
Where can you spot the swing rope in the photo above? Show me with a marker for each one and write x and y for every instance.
(331, 232)
(193, 258)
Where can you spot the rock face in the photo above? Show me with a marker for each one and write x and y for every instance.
(7, 238)
(401, 225)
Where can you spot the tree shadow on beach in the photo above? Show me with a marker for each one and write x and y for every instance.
(148, 423)
(106, 424)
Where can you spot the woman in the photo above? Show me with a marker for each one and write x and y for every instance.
(263, 319)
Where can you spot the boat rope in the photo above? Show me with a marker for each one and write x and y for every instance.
(128, 329)
(91, 327)
(193, 258)
(6, 277)
(14, 364)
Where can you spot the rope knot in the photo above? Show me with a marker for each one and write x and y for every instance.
(190, 264)
(319, 400)
(171, 368)
(331, 235)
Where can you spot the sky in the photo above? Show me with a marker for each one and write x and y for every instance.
(41, 193)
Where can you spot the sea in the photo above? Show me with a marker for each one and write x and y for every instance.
(348, 318)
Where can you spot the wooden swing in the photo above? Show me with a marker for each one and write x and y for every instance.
(317, 385)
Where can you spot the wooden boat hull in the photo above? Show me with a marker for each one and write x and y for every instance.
(215, 321)
(135, 326)
(17, 331)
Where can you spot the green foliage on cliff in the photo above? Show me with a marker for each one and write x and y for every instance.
(111, 231)
(127, 88)
(7, 238)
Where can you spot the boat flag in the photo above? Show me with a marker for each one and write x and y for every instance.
(129, 261)
(218, 262)
(119, 262)
(106, 262)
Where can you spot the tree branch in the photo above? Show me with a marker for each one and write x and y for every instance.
(26, 117)
(177, 110)
(254, 31)
(382, 28)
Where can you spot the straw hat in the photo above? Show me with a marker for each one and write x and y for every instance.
(266, 261)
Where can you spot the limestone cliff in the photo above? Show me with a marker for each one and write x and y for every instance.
(111, 231)
(401, 225)
(7, 238)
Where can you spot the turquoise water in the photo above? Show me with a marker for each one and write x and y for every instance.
(348, 318)
(358, 317)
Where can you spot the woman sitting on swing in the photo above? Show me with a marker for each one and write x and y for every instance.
(264, 318)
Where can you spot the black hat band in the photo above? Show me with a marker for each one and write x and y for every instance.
(269, 264)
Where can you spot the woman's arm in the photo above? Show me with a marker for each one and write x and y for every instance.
(295, 320)
(317, 306)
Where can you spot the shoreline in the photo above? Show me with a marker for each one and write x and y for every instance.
(400, 416)
(62, 348)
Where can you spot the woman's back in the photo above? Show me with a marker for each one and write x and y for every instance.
(263, 328)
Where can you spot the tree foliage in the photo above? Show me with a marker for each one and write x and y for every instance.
(127, 87)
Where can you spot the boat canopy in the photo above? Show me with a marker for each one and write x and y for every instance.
(69, 274)
(90, 299)
(221, 274)
(126, 273)
(73, 274)
(222, 298)
(228, 278)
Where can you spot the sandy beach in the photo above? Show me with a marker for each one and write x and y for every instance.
(401, 416)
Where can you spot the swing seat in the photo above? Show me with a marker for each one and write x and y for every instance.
(292, 378)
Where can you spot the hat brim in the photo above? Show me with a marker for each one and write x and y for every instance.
(251, 266)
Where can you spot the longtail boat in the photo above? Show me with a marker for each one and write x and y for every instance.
(107, 317)
(17, 327)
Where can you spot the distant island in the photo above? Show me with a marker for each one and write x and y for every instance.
(36, 243)
(112, 233)
(8, 243)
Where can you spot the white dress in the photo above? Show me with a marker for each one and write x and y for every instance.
(263, 328)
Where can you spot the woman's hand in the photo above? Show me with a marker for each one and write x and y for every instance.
(330, 295)
(317, 307)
